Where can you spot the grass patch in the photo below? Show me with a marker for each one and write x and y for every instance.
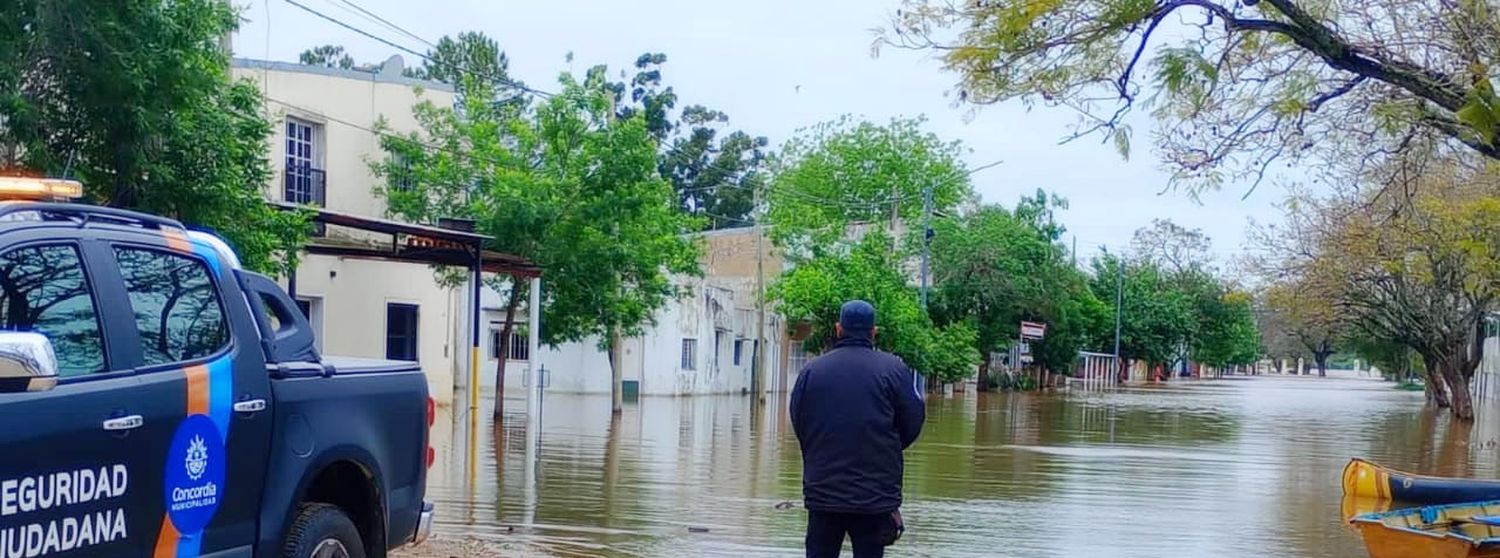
(1410, 386)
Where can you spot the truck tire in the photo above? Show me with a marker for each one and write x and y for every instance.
(322, 531)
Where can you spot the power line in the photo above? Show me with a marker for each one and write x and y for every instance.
(387, 23)
(493, 79)
(670, 149)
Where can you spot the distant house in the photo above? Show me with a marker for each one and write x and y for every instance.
(703, 343)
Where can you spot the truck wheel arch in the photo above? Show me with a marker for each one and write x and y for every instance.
(348, 483)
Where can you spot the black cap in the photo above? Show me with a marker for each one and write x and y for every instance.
(857, 315)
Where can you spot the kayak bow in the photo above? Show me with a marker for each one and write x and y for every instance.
(1363, 479)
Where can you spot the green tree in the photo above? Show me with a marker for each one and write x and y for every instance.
(471, 56)
(1076, 320)
(1227, 333)
(1310, 317)
(869, 270)
(843, 173)
(1422, 269)
(994, 268)
(1157, 318)
(713, 169)
(1395, 361)
(332, 56)
(828, 186)
(1234, 86)
(564, 183)
(135, 100)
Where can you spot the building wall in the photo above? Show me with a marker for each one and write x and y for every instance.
(348, 297)
(349, 312)
(347, 105)
(719, 305)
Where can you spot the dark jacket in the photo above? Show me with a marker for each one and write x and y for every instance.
(855, 409)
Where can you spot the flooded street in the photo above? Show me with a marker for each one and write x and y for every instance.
(1238, 467)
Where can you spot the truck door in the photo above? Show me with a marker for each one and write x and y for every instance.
(82, 467)
(191, 322)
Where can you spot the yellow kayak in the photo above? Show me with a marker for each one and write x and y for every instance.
(1449, 531)
(1363, 479)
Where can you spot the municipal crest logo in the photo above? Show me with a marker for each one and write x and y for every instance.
(196, 461)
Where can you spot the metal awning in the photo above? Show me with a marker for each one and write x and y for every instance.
(423, 244)
(412, 243)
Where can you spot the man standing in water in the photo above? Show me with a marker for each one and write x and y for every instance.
(855, 410)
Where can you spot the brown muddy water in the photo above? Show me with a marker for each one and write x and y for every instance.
(1235, 467)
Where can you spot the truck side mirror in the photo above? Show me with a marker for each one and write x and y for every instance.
(27, 362)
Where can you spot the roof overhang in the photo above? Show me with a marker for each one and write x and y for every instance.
(412, 243)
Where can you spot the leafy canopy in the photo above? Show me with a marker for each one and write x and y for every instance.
(135, 100)
(994, 268)
(844, 173)
(714, 170)
(562, 182)
(814, 290)
(1234, 86)
(833, 190)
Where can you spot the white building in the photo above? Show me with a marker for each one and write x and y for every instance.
(701, 344)
(323, 142)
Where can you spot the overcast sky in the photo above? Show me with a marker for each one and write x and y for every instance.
(778, 65)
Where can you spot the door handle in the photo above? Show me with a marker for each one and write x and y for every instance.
(250, 406)
(121, 424)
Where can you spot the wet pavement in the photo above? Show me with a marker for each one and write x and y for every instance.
(1234, 467)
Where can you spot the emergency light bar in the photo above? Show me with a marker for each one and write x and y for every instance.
(39, 189)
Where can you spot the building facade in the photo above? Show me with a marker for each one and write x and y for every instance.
(703, 343)
(324, 138)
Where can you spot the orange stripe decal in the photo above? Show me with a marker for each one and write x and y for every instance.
(177, 240)
(166, 542)
(197, 391)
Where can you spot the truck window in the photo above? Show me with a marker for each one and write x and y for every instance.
(176, 307)
(42, 289)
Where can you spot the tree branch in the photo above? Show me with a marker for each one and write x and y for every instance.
(1124, 83)
(1314, 36)
(1458, 131)
(1340, 91)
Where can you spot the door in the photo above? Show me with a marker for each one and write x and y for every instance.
(184, 331)
(82, 467)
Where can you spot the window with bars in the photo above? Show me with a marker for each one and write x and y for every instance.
(401, 174)
(304, 180)
(520, 346)
(689, 354)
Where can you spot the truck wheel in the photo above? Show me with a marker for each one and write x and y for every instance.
(322, 531)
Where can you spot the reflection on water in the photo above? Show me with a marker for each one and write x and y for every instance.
(1243, 467)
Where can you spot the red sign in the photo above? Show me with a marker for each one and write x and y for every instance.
(1033, 330)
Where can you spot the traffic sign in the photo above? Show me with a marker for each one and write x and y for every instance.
(1033, 330)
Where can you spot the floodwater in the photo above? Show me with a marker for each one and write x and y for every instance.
(1234, 467)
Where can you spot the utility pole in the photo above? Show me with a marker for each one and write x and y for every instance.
(1119, 306)
(758, 375)
(895, 208)
(926, 239)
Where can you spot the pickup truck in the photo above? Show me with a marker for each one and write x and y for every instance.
(158, 400)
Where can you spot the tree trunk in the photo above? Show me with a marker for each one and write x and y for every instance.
(1458, 391)
(1321, 357)
(1436, 385)
(504, 348)
(984, 373)
(617, 373)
